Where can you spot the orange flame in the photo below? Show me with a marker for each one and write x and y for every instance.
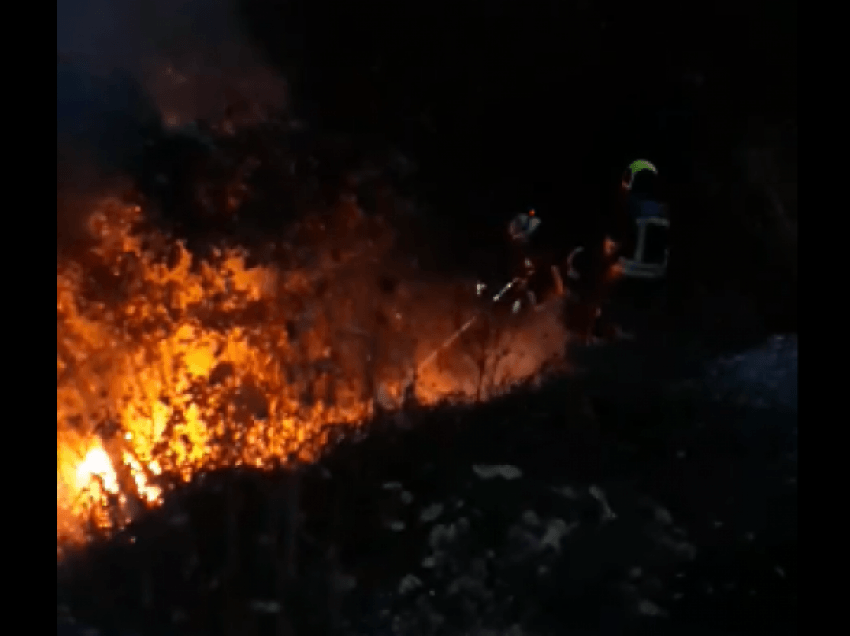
(213, 363)
(96, 466)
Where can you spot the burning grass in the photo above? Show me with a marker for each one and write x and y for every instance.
(170, 364)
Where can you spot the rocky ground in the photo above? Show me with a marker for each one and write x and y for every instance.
(576, 508)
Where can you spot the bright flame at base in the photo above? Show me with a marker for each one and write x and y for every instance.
(97, 467)
(168, 365)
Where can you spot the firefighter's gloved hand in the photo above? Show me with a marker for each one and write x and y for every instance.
(572, 265)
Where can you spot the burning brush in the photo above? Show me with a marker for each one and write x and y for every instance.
(169, 365)
(110, 484)
(517, 288)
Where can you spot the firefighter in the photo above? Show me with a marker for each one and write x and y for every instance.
(523, 267)
(642, 225)
(634, 246)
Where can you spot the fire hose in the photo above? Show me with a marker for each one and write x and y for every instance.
(517, 281)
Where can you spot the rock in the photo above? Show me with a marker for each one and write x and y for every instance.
(431, 513)
(408, 584)
(556, 530)
(648, 608)
(265, 607)
(504, 471)
(530, 518)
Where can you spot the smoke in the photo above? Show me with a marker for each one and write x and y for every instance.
(127, 69)
(190, 58)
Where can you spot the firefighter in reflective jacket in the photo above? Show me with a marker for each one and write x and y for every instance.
(643, 223)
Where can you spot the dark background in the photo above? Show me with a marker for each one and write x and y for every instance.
(501, 106)
(508, 105)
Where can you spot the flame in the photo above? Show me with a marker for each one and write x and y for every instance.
(97, 466)
(169, 365)
(150, 493)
